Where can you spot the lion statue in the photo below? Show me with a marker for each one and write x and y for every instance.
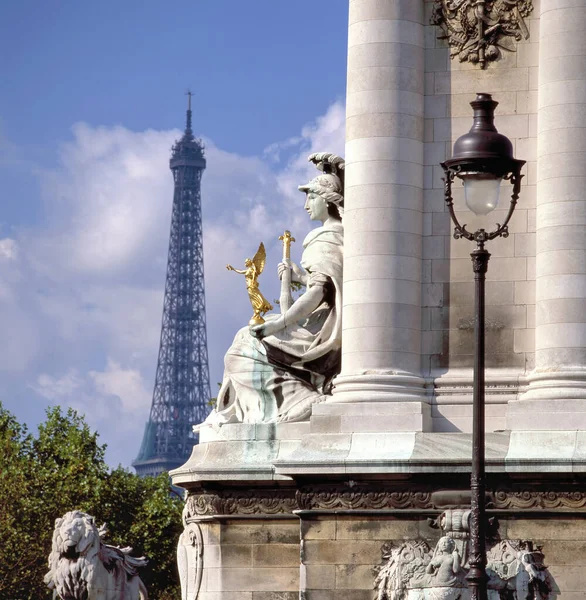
(82, 567)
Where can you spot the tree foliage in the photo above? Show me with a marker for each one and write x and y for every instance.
(62, 468)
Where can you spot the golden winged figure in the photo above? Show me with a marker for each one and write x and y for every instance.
(254, 267)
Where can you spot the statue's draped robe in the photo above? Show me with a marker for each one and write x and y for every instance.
(279, 377)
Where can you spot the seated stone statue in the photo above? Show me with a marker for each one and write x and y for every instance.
(275, 371)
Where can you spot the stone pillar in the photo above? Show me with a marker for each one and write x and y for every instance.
(556, 396)
(383, 203)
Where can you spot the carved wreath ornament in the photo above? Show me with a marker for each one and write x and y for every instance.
(478, 30)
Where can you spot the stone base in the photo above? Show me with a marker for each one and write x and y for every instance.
(545, 415)
(325, 539)
(262, 452)
(554, 400)
(370, 417)
(327, 555)
(239, 452)
(287, 511)
(379, 387)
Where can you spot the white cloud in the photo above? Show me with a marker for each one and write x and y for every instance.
(57, 388)
(8, 249)
(108, 199)
(127, 385)
(88, 290)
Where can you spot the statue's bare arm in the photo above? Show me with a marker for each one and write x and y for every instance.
(231, 268)
(456, 564)
(297, 274)
(302, 308)
(305, 305)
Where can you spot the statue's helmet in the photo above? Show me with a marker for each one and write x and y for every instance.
(330, 184)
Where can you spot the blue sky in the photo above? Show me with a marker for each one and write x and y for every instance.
(93, 98)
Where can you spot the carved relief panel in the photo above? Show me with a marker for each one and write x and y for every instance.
(190, 557)
(477, 31)
(412, 570)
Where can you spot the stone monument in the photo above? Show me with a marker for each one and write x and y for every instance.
(337, 461)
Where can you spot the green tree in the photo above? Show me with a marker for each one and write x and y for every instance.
(17, 553)
(60, 469)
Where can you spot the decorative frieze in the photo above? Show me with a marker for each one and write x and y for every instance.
(353, 496)
(536, 499)
(240, 502)
(478, 30)
(362, 496)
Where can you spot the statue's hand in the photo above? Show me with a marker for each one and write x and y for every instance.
(281, 268)
(268, 328)
(297, 274)
(229, 267)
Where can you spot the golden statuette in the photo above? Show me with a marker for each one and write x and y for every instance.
(254, 267)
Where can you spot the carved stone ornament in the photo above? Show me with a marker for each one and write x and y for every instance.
(240, 502)
(190, 561)
(360, 496)
(478, 30)
(411, 570)
(540, 499)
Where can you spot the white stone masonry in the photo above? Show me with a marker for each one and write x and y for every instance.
(556, 397)
(383, 203)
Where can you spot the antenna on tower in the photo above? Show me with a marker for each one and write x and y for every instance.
(188, 130)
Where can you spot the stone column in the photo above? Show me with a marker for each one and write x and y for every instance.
(556, 397)
(383, 203)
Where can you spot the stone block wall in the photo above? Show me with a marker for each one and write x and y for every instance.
(250, 559)
(563, 542)
(339, 552)
(447, 280)
(328, 554)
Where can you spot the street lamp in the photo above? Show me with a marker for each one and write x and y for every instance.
(482, 159)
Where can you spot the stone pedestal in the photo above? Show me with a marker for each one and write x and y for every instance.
(318, 515)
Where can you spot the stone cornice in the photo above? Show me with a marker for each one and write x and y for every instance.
(352, 496)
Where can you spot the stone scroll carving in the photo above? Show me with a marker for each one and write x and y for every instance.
(242, 502)
(190, 561)
(539, 499)
(478, 30)
(353, 495)
(412, 570)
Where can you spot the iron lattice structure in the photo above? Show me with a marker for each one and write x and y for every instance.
(182, 383)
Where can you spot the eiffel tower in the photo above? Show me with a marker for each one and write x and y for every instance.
(182, 382)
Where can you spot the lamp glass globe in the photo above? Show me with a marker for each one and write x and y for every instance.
(481, 192)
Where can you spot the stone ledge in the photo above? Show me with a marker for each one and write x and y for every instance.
(232, 458)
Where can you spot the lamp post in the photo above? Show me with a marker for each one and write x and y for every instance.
(482, 158)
